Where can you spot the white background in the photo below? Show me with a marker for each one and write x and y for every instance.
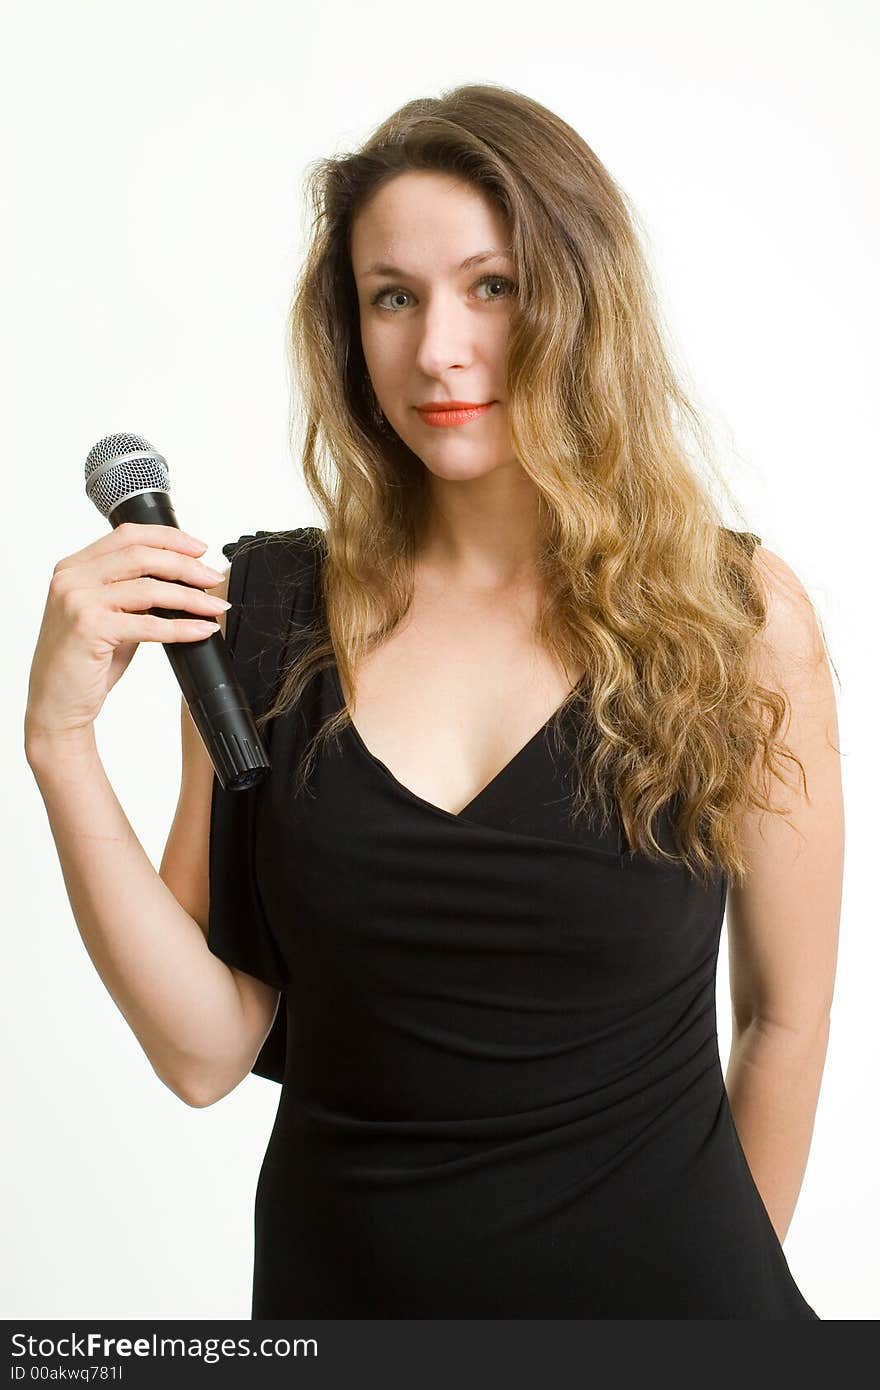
(152, 225)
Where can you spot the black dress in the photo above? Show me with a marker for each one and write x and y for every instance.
(502, 1094)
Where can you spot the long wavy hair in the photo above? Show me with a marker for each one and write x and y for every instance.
(644, 589)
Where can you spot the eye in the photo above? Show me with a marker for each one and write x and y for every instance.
(497, 280)
(484, 280)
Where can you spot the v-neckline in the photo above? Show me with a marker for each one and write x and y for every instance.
(462, 815)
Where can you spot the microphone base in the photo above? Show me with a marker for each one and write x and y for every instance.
(226, 725)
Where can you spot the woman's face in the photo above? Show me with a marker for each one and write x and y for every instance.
(432, 329)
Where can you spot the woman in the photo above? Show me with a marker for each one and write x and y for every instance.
(524, 699)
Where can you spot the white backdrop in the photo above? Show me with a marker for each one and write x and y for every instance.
(152, 224)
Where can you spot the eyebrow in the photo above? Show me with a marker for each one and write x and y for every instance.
(380, 268)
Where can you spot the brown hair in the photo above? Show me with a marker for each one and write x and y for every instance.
(646, 591)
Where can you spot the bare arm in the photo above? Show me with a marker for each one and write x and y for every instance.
(181, 1002)
(783, 922)
(199, 1021)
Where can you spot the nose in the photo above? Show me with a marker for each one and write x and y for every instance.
(445, 337)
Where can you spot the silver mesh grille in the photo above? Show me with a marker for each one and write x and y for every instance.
(121, 466)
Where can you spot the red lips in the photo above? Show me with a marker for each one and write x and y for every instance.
(452, 413)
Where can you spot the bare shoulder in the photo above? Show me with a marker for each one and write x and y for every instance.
(784, 589)
(792, 643)
(792, 659)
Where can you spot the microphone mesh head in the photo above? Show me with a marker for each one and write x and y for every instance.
(121, 466)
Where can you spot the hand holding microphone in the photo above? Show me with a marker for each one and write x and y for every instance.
(142, 583)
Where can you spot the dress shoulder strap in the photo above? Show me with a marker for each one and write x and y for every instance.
(273, 592)
(747, 539)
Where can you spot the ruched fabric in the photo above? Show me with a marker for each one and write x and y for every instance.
(501, 1090)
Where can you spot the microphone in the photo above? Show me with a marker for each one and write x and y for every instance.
(127, 479)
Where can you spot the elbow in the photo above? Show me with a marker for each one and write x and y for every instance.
(801, 1018)
(807, 1030)
(196, 1094)
(199, 1100)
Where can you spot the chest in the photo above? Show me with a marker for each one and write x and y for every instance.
(453, 695)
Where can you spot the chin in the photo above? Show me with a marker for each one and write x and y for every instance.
(460, 470)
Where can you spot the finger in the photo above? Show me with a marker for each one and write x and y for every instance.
(139, 595)
(136, 533)
(146, 627)
(140, 560)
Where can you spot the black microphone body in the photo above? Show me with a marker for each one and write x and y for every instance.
(204, 669)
